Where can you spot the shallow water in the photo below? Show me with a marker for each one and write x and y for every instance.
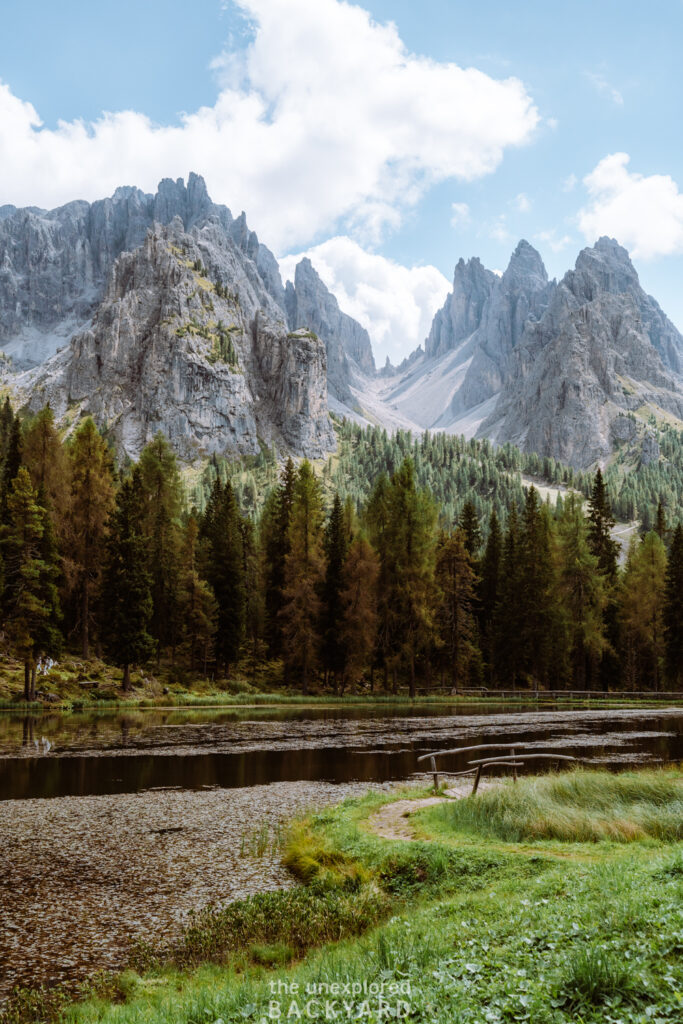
(53, 755)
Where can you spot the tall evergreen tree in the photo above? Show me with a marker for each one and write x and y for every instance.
(581, 597)
(127, 606)
(673, 610)
(31, 606)
(92, 503)
(10, 466)
(163, 498)
(223, 568)
(275, 523)
(601, 522)
(489, 586)
(336, 544)
(508, 621)
(535, 597)
(456, 581)
(197, 603)
(469, 524)
(304, 570)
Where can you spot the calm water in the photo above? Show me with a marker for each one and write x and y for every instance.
(53, 755)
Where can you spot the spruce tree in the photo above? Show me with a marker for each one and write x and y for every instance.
(163, 498)
(304, 568)
(457, 582)
(534, 596)
(223, 568)
(673, 610)
(336, 544)
(489, 586)
(31, 607)
(601, 522)
(508, 615)
(91, 504)
(127, 598)
(469, 524)
(197, 604)
(275, 523)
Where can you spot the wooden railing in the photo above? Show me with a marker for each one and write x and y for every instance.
(516, 757)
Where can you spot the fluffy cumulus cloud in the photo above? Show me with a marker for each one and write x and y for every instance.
(395, 303)
(643, 212)
(323, 118)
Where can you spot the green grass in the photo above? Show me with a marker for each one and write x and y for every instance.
(579, 806)
(468, 928)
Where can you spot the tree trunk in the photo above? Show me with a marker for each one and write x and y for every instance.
(126, 677)
(33, 680)
(412, 675)
(86, 619)
(27, 681)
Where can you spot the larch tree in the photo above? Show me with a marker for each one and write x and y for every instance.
(358, 605)
(642, 604)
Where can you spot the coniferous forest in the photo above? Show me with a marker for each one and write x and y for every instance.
(403, 563)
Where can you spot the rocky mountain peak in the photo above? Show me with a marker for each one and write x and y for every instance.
(310, 304)
(526, 268)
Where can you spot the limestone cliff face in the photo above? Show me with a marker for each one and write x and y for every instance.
(462, 312)
(310, 305)
(55, 265)
(601, 350)
(188, 340)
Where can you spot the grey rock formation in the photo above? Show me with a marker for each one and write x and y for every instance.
(55, 265)
(600, 350)
(463, 309)
(311, 305)
(204, 355)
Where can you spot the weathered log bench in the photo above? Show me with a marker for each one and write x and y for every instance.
(517, 755)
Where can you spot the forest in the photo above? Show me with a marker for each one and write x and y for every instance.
(420, 563)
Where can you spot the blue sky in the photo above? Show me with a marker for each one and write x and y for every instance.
(367, 147)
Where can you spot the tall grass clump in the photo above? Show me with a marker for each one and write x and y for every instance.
(576, 806)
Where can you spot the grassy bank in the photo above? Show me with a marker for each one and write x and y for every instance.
(485, 918)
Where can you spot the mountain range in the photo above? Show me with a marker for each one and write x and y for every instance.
(164, 312)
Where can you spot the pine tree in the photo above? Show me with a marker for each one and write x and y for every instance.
(673, 610)
(469, 524)
(275, 523)
(10, 466)
(223, 568)
(534, 596)
(660, 527)
(358, 605)
(456, 581)
(197, 603)
(336, 543)
(127, 598)
(489, 586)
(30, 598)
(92, 503)
(163, 498)
(601, 523)
(508, 622)
(581, 593)
(300, 614)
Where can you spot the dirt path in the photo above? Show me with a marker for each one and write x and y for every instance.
(392, 821)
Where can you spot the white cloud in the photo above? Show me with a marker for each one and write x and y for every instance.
(460, 214)
(395, 303)
(551, 239)
(498, 229)
(644, 213)
(324, 115)
(522, 203)
(603, 87)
